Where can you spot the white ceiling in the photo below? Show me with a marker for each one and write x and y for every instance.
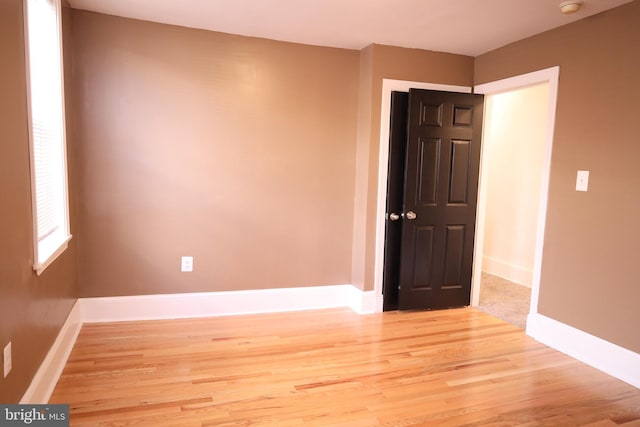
(469, 27)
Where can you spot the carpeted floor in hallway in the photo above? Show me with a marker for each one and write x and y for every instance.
(504, 299)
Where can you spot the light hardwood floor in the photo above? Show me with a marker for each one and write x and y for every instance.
(334, 368)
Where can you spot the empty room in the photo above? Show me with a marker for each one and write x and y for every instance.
(284, 213)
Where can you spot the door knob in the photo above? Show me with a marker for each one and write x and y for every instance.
(410, 215)
(394, 216)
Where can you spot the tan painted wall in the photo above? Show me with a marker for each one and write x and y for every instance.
(514, 137)
(589, 272)
(365, 92)
(237, 151)
(140, 84)
(400, 64)
(32, 308)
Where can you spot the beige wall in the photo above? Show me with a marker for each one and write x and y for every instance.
(589, 275)
(363, 144)
(237, 151)
(32, 308)
(242, 123)
(514, 136)
(401, 64)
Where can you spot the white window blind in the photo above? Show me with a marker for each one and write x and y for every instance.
(46, 107)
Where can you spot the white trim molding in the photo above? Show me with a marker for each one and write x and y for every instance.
(224, 303)
(51, 368)
(551, 76)
(603, 355)
(514, 273)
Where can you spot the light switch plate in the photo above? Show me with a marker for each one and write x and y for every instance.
(186, 265)
(582, 181)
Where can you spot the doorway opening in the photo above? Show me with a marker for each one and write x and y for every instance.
(549, 76)
(513, 147)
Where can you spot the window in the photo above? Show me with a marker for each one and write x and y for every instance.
(47, 131)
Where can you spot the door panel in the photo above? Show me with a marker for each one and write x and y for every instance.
(428, 168)
(460, 166)
(441, 182)
(395, 197)
(453, 262)
(424, 250)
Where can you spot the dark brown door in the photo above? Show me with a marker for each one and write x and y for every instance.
(395, 192)
(440, 192)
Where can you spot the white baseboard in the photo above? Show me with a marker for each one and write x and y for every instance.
(608, 357)
(226, 303)
(379, 303)
(512, 272)
(362, 302)
(49, 372)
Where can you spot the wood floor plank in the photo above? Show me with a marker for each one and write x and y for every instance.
(334, 368)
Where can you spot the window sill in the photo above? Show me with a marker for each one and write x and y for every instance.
(55, 253)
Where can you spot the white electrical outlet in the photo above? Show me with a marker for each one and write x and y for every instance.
(582, 181)
(7, 359)
(187, 264)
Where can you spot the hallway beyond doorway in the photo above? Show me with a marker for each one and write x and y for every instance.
(504, 299)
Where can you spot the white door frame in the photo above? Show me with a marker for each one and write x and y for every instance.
(549, 75)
